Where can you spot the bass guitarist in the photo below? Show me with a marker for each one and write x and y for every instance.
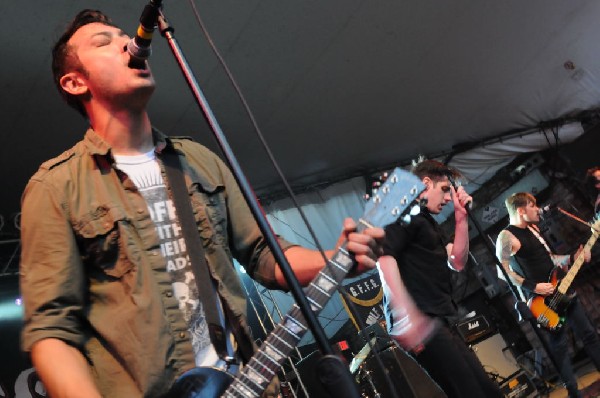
(535, 262)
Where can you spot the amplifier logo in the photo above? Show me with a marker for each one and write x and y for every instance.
(475, 328)
(473, 325)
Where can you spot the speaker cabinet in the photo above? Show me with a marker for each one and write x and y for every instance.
(496, 357)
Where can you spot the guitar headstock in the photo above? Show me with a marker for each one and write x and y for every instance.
(392, 197)
(595, 225)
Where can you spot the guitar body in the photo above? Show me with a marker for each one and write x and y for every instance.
(550, 310)
(200, 383)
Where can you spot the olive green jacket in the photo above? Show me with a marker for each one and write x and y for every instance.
(92, 273)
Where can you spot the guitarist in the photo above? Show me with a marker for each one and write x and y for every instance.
(111, 305)
(534, 263)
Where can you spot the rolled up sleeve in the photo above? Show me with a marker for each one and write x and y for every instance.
(51, 271)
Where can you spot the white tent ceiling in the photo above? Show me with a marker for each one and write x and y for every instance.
(337, 86)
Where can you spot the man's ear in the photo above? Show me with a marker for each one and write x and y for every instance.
(73, 84)
(428, 183)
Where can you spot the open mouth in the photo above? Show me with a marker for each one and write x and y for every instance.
(137, 64)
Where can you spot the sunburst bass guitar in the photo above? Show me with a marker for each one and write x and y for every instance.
(549, 311)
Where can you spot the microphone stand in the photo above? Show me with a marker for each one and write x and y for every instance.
(339, 380)
(520, 305)
(574, 217)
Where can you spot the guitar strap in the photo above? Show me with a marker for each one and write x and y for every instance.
(539, 237)
(206, 285)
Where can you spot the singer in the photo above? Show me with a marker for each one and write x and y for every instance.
(424, 262)
(111, 305)
(533, 264)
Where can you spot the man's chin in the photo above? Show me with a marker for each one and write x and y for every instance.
(434, 211)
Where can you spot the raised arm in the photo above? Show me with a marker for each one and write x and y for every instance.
(458, 251)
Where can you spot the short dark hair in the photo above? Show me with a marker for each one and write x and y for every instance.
(64, 59)
(517, 200)
(590, 182)
(433, 169)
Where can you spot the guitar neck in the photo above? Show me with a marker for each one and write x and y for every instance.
(568, 278)
(265, 363)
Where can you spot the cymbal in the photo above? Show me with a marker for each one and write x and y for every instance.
(362, 355)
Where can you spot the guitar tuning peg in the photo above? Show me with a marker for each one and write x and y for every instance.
(376, 184)
(416, 209)
(366, 196)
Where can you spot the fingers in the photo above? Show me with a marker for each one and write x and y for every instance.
(545, 289)
(587, 253)
(349, 225)
(460, 197)
(365, 245)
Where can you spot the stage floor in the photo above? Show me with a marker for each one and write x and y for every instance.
(588, 379)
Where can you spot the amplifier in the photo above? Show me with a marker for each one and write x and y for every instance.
(474, 329)
(518, 385)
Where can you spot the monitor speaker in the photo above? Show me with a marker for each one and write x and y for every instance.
(496, 357)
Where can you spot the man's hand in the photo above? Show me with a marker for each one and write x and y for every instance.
(365, 245)
(587, 254)
(544, 289)
(461, 199)
(306, 263)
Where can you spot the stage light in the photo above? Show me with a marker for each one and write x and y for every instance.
(10, 310)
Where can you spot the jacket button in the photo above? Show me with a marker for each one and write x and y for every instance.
(182, 335)
(169, 294)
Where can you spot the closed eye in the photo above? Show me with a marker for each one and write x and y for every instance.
(101, 39)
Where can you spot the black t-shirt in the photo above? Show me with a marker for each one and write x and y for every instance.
(533, 261)
(420, 250)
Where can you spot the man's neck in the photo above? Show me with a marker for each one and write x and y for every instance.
(127, 132)
(519, 223)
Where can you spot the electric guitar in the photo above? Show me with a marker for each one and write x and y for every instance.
(550, 310)
(390, 201)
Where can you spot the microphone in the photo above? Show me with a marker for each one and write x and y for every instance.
(139, 46)
(543, 211)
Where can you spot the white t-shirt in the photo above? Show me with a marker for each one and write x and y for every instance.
(145, 173)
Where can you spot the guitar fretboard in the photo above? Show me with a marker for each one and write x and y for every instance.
(565, 283)
(262, 368)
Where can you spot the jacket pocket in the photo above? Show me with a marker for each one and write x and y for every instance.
(99, 234)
